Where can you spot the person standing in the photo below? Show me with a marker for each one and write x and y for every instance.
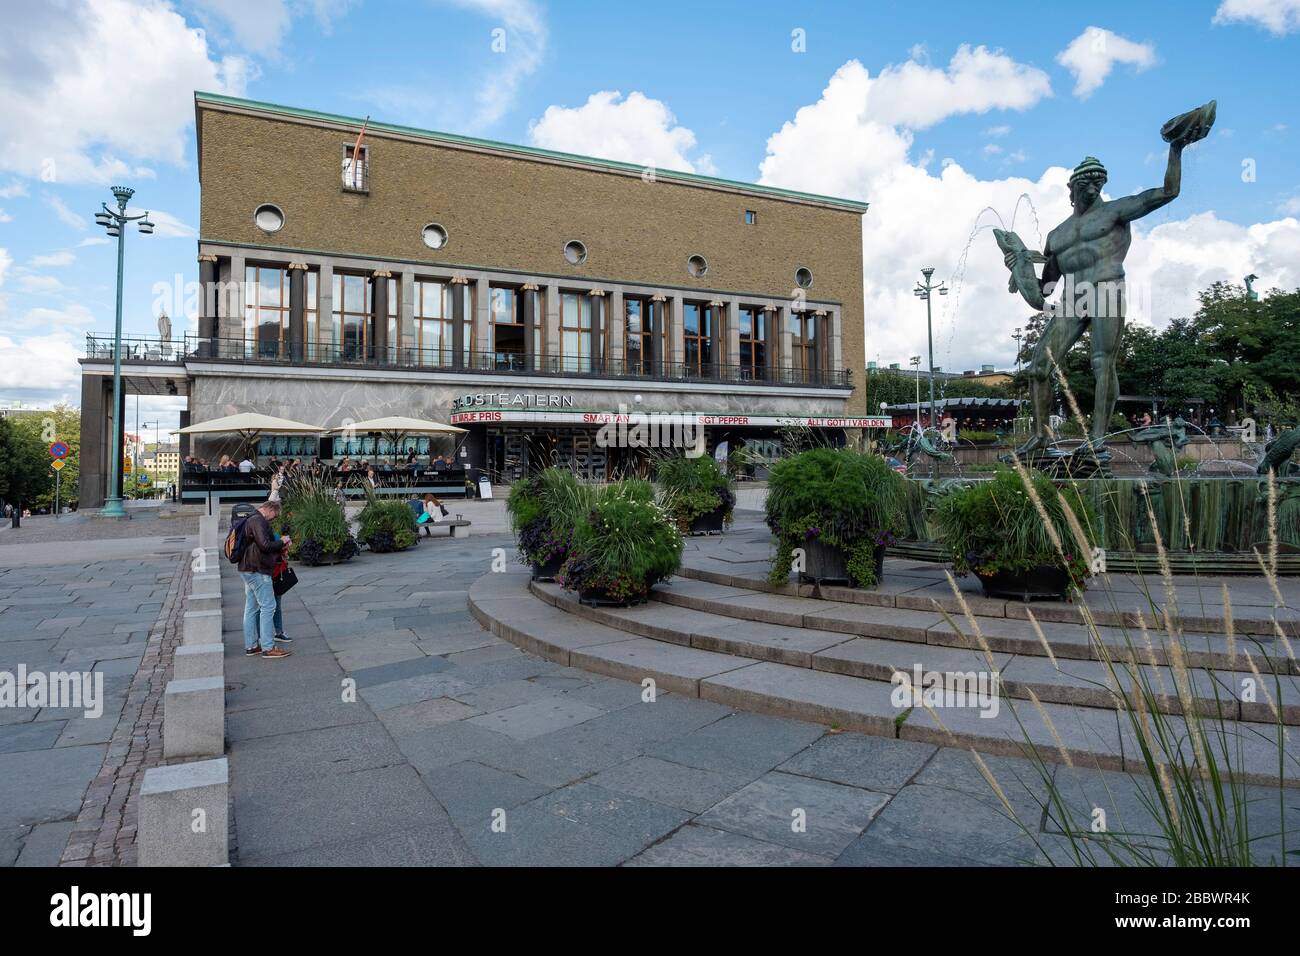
(256, 565)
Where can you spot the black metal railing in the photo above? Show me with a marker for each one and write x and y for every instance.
(136, 348)
(251, 349)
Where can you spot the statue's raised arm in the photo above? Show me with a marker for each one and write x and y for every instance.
(1179, 132)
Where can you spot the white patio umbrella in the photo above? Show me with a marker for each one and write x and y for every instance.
(397, 427)
(248, 426)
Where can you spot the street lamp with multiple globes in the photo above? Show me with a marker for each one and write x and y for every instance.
(114, 222)
(924, 291)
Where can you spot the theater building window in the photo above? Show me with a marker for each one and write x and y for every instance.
(575, 331)
(697, 335)
(506, 326)
(353, 316)
(641, 320)
(394, 311)
(266, 312)
(803, 341)
(753, 347)
(432, 325)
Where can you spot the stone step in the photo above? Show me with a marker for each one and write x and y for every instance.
(1113, 600)
(1082, 682)
(1003, 634)
(1085, 736)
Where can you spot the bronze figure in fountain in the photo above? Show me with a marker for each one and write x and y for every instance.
(1085, 254)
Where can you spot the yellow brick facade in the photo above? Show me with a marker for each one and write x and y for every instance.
(511, 212)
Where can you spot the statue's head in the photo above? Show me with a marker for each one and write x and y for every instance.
(1086, 182)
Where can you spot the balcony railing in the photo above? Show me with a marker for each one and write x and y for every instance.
(251, 350)
(136, 348)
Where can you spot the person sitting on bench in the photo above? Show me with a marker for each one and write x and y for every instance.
(433, 513)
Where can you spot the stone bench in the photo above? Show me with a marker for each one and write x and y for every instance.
(184, 813)
(455, 529)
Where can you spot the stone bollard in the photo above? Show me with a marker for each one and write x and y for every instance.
(207, 601)
(184, 815)
(193, 661)
(201, 627)
(209, 531)
(194, 718)
(206, 582)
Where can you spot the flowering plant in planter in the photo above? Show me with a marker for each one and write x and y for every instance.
(698, 494)
(835, 503)
(996, 529)
(626, 543)
(545, 510)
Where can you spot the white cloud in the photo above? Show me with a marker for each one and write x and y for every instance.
(61, 258)
(39, 284)
(839, 147)
(1276, 16)
(260, 26)
(46, 364)
(997, 131)
(992, 149)
(13, 190)
(72, 317)
(636, 129)
(916, 95)
(1290, 206)
(6, 261)
(1169, 264)
(5, 217)
(93, 241)
(166, 226)
(67, 216)
(74, 108)
(1093, 54)
(521, 47)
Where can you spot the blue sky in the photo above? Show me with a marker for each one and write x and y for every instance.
(716, 81)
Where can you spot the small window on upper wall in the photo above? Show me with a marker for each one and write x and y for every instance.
(356, 175)
(803, 277)
(751, 217)
(575, 253)
(697, 266)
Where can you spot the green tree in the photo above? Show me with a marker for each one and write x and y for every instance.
(23, 464)
(63, 423)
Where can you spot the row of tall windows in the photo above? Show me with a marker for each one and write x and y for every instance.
(347, 333)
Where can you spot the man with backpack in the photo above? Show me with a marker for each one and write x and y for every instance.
(254, 547)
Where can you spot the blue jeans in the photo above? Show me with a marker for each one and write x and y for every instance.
(278, 620)
(259, 610)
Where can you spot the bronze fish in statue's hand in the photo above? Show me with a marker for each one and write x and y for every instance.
(1190, 127)
(1023, 278)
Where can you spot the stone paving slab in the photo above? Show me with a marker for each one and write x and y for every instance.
(695, 845)
(814, 816)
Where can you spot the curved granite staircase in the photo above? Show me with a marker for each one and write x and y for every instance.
(721, 633)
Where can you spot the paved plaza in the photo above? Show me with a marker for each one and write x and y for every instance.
(401, 732)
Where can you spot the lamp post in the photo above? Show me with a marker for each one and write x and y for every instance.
(924, 291)
(114, 222)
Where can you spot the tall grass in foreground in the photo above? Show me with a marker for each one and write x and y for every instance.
(1195, 798)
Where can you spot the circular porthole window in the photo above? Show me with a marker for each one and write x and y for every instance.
(434, 236)
(575, 253)
(697, 266)
(268, 217)
(803, 277)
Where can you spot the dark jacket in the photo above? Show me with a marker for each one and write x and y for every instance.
(260, 547)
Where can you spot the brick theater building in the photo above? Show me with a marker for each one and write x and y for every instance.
(526, 295)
